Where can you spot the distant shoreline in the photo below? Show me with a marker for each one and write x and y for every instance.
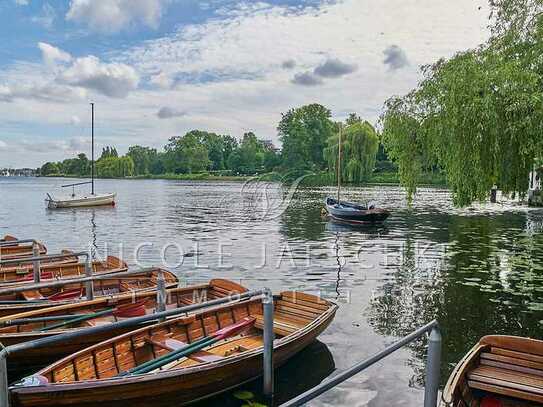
(382, 178)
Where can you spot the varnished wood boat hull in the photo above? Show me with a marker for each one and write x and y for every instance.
(20, 251)
(216, 288)
(505, 369)
(174, 387)
(26, 306)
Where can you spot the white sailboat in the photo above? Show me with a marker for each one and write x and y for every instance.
(74, 201)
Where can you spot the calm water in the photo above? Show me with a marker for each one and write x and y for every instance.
(477, 270)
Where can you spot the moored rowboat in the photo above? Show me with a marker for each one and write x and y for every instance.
(37, 324)
(72, 292)
(91, 377)
(17, 250)
(19, 275)
(500, 371)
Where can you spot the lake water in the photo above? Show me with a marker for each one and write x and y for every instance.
(477, 270)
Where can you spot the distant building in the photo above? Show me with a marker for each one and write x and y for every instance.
(269, 145)
(17, 172)
(535, 193)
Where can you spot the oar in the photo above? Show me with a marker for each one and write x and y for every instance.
(23, 321)
(120, 311)
(191, 348)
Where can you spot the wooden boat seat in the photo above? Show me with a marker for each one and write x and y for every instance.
(170, 344)
(281, 326)
(32, 295)
(509, 373)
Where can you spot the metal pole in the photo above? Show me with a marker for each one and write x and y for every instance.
(36, 262)
(433, 363)
(161, 292)
(89, 285)
(4, 391)
(92, 148)
(267, 304)
(339, 166)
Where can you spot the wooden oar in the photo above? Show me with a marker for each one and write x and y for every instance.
(127, 310)
(23, 321)
(191, 348)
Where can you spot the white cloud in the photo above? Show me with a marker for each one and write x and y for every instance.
(47, 16)
(111, 79)
(3, 145)
(51, 54)
(162, 80)
(47, 92)
(75, 120)
(111, 16)
(21, 2)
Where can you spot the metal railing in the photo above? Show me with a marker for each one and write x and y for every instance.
(433, 362)
(36, 260)
(265, 294)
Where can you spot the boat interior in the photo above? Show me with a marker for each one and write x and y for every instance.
(501, 371)
(19, 250)
(66, 268)
(128, 306)
(104, 287)
(292, 312)
(347, 205)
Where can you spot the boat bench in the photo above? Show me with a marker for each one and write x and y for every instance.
(170, 345)
(509, 373)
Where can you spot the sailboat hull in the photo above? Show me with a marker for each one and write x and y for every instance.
(92, 200)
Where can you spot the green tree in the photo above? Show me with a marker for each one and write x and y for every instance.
(115, 167)
(477, 115)
(359, 146)
(143, 158)
(303, 132)
(186, 154)
(49, 168)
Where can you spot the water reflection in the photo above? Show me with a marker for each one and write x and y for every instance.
(476, 270)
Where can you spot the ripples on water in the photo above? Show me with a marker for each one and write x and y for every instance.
(477, 270)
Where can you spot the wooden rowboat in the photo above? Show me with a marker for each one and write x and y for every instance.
(500, 371)
(36, 324)
(8, 238)
(73, 292)
(28, 265)
(18, 250)
(90, 377)
(10, 276)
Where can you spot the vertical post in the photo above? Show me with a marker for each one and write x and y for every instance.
(92, 148)
(433, 363)
(339, 166)
(161, 292)
(89, 285)
(4, 391)
(36, 263)
(267, 304)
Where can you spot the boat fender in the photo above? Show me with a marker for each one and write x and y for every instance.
(32, 381)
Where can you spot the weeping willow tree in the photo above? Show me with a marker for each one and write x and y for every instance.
(479, 115)
(359, 144)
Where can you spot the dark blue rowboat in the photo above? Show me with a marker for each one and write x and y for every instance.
(351, 212)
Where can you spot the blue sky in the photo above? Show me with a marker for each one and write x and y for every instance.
(158, 68)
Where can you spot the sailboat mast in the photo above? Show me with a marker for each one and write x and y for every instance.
(92, 148)
(339, 166)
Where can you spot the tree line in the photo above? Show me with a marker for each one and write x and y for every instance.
(309, 140)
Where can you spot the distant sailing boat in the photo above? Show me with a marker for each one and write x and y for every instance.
(93, 199)
(348, 212)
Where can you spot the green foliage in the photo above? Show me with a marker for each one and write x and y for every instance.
(304, 132)
(359, 145)
(186, 154)
(146, 160)
(109, 152)
(50, 168)
(478, 115)
(115, 167)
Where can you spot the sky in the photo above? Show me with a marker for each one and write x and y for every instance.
(159, 68)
